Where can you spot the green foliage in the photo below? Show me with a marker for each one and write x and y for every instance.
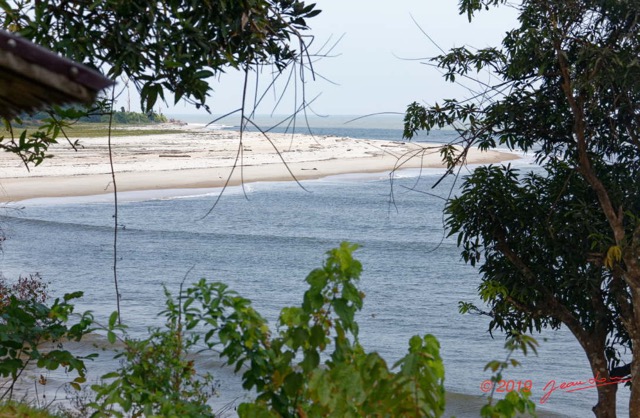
(559, 247)
(31, 148)
(26, 323)
(312, 366)
(287, 370)
(15, 409)
(158, 376)
(173, 45)
(537, 243)
(168, 45)
(470, 7)
(32, 145)
(131, 118)
(516, 401)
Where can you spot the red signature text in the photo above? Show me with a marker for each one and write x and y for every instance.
(577, 385)
(505, 386)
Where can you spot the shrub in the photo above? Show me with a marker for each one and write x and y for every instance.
(26, 323)
(292, 372)
(157, 377)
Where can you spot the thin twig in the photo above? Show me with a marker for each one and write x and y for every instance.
(115, 205)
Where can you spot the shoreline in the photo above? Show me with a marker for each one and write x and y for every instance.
(463, 405)
(202, 159)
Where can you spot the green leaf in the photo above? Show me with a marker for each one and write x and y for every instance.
(494, 365)
(293, 383)
(344, 312)
(203, 74)
(311, 360)
(113, 318)
(317, 337)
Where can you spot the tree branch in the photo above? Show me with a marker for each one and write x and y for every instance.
(584, 163)
(554, 306)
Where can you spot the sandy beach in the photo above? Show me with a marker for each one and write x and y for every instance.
(203, 158)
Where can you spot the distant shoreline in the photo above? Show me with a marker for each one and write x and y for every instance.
(201, 158)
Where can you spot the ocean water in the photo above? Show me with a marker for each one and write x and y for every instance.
(263, 239)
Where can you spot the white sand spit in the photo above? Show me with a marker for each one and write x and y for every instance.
(203, 158)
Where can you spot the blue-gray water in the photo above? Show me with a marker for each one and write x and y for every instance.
(264, 245)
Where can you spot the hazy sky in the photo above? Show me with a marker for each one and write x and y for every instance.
(368, 67)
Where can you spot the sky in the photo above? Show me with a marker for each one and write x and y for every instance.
(375, 66)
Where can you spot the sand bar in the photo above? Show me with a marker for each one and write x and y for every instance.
(204, 158)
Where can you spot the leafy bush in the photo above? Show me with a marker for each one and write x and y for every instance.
(286, 370)
(516, 401)
(26, 288)
(26, 323)
(14, 409)
(157, 376)
(313, 365)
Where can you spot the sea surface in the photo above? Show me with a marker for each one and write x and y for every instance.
(264, 238)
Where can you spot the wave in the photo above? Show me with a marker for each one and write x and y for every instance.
(40, 223)
(273, 237)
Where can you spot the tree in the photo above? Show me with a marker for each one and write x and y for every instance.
(172, 45)
(559, 246)
(165, 45)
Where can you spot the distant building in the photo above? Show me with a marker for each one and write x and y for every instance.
(32, 78)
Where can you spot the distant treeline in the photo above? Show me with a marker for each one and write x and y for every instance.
(119, 117)
(124, 117)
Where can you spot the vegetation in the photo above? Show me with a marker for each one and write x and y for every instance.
(92, 126)
(82, 130)
(27, 322)
(286, 370)
(313, 365)
(559, 246)
(119, 117)
(201, 39)
(127, 118)
(172, 45)
(20, 410)
(93, 130)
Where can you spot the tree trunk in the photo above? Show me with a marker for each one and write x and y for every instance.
(634, 399)
(606, 406)
(633, 277)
